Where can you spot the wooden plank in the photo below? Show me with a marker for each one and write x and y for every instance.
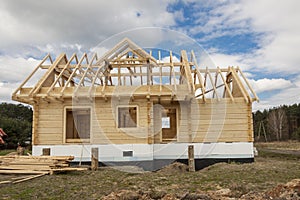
(31, 177)
(27, 167)
(21, 172)
(5, 182)
(69, 169)
(40, 157)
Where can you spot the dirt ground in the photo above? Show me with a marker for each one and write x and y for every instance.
(269, 177)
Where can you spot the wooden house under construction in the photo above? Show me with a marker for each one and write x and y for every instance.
(136, 108)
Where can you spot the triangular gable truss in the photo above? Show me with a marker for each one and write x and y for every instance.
(128, 66)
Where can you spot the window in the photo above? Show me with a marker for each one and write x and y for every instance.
(78, 122)
(127, 117)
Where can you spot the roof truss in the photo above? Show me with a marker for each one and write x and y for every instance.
(129, 67)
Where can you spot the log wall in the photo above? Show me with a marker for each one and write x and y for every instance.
(210, 121)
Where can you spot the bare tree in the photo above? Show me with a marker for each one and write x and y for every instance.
(277, 122)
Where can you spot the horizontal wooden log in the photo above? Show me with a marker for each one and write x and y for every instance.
(22, 172)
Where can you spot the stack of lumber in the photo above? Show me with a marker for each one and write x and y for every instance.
(35, 164)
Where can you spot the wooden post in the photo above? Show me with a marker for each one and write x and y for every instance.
(191, 158)
(94, 159)
(46, 151)
(189, 117)
(149, 116)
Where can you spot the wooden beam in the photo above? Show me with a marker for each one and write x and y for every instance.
(240, 85)
(32, 73)
(150, 134)
(36, 88)
(35, 120)
(85, 73)
(199, 75)
(216, 82)
(160, 78)
(248, 84)
(226, 86)
(74, 71)
(188, 73)
(191, 158)
(94, 159)
(172, 73)
(212, 83)
(61, 74)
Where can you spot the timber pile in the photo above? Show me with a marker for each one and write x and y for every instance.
(36, 164)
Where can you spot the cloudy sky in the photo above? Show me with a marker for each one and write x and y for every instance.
(260, 36)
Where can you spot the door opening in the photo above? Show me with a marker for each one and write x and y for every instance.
(169, 125)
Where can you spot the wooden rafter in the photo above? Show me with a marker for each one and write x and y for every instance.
(212, 83)
(248, 84)
(199, 76)
(227, 89)
(61, 73)
(240, 85)
(47, 74)
(34, 71)
(187, 71)
(84, 56)
(172, 72)
(85, 73)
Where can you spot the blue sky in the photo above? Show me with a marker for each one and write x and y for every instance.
(262, 37)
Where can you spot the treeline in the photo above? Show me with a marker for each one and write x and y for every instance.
(277, 124)
(16, 121)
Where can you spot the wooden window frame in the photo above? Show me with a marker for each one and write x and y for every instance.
(76, 140)
(137, 116)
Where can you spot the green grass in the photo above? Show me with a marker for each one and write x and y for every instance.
(6, 151)
(286, 145)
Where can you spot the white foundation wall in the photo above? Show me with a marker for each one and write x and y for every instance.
(144, 152)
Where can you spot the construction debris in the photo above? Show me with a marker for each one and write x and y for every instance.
(35, 166)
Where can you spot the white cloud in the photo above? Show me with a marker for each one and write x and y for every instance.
(275, 27)
(16, 69)
(224, 61)
(287, 96)
(6, 91)
(13, 72)
(85, 23)
(167, 59)
(263, 85)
